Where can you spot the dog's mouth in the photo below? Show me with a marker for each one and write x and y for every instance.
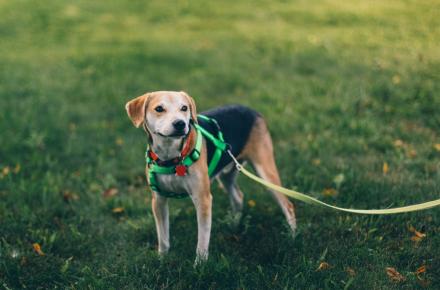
(178, 134)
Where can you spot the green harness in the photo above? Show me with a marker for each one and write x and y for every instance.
(219, 143)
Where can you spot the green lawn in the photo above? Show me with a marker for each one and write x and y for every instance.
(349, 88)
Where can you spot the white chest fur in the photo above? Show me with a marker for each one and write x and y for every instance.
(179, 184)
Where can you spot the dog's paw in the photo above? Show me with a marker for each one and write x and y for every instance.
(201, 258)
(162, 252)
(293, 228)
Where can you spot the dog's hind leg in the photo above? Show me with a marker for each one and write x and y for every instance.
(259, 151)
(228, 179)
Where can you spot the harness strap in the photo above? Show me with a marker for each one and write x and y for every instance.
(218, 142)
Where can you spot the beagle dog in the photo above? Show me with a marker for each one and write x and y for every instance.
(169, 119)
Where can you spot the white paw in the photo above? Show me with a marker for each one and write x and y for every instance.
(201, 257)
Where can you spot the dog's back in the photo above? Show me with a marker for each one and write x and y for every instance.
(236, 123)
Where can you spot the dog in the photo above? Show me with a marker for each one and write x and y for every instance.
(169, 119)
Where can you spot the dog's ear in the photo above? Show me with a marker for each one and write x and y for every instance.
(192, 107)
(136, 109)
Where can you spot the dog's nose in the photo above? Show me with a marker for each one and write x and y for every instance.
(179, 125)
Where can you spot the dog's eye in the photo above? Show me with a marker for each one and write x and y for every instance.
(159, 109)
(184, 108)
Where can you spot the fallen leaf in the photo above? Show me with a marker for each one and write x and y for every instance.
(350, 271)
(119, 141)
(316, 161)
(394, 275)
(37, 249)
(6, 170)
(329, 192)
(252, 203)
(418, 236)
(396, 79)
(411, 153)
(67, 195)
(420, 270)
(437, 146)
(323, 266)
(118, 210)
(398, 143)
(385, 168)
(110, 192)
(420, 280)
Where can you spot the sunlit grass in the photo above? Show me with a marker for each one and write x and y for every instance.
(346, 86)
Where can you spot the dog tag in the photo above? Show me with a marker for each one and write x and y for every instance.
(180, 170)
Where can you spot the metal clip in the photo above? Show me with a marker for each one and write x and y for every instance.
(237, 164)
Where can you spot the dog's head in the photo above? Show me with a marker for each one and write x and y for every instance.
(167, 114)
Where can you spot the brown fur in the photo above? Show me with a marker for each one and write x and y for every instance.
(259, 151)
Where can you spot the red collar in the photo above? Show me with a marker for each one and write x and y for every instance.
(185, 150)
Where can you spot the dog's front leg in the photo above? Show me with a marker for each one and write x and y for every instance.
(161, 217)
(203, 203)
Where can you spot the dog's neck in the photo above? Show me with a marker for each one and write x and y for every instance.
(167, 148)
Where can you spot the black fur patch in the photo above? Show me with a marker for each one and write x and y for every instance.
(236, 122)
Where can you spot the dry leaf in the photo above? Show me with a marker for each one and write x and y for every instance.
(420, 280)
(385, 168)
(110, 192)
(329, 192)
(411, 153)
(316, 161)
(437, 147)
(421, 270)
(6, 170)
(37, 249)
(323, 266)
(119, 141)
(252, 203)
(67, 195)
(118, 210)
(418, 236)
(350, 271)
(394, 275)
(398, 143)
(396, 79)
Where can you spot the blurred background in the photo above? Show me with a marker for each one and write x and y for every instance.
(350, 90)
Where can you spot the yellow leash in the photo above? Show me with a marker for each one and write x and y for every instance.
(310, 200)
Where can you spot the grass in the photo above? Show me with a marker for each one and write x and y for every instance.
(346, 87)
